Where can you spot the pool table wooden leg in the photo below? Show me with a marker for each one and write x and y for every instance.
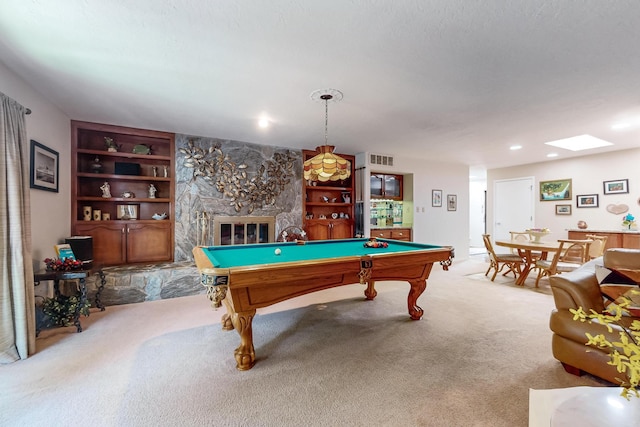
(417, 288)
(227, 323)
(244, 354)
(370, 293)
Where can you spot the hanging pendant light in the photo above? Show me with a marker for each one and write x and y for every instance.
(326, 166)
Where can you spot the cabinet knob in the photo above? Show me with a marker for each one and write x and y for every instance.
(400, 234)
(122, 230)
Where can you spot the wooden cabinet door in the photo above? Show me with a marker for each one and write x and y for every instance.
(108, 241)
(341, 230)
(631, 241)
(377, 185)
(318, 230)
(393, 187)
(327, 230)
(149, 242)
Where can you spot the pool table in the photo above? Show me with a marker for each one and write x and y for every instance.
(247, 277)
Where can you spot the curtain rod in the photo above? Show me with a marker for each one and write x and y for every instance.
(27, 111)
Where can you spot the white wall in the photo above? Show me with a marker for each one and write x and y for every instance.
(432, 225)
(477, 208)
(48, 125)
(587, 174)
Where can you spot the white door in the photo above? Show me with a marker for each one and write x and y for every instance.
(513, 206)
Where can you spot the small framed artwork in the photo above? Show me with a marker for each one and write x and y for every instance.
(44, 167)
(452, 202)
(436, 198)
(563, 209)
(559, 189)
(619, 186)
(587, 201)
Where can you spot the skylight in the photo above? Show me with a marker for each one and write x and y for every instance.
(579, 143)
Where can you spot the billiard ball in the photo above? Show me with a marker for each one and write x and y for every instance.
(277, 251)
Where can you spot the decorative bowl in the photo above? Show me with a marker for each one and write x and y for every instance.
(159, 216)
(537, 233)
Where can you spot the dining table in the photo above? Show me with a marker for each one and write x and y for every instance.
(530, 251)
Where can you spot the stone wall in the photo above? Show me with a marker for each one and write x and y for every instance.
(139, 283)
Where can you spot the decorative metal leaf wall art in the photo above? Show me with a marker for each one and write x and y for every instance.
(233, 181)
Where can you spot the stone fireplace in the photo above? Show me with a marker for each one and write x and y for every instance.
(197, 197)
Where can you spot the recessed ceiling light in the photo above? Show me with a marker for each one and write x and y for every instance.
(515, 147)
(621, 125)
(552, 155)
(263, 123)
(579, 143)
(629, 123)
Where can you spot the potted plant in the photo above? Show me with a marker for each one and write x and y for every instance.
(61, 310)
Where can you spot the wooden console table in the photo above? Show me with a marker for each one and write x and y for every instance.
(617, 239)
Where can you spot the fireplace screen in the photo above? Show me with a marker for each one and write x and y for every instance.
(242, 230)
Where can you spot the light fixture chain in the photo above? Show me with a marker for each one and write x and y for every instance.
(326, 122)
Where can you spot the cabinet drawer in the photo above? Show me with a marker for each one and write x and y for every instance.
(396, 233)
(385, 234)
(401, 234)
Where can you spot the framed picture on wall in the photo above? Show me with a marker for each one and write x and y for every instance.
(44, 167)
(559, 189)
(452, 202)
(618, 186)
(436, 198)
(587, 201)
(563, 209)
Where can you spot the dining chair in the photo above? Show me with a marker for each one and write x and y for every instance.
(519, 236)
(523, 236)
(498, 262)
(598, 246)
(571, 254)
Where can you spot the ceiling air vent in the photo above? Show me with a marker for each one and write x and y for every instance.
(380, 159)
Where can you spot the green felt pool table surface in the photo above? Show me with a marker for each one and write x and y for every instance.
(247, 255)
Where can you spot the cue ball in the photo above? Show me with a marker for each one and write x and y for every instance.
(278, 251)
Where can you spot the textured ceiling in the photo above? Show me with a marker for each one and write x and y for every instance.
(453, 80)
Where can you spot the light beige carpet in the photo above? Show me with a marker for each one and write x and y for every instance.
(330, 358)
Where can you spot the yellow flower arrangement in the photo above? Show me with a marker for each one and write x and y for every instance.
(625, 354)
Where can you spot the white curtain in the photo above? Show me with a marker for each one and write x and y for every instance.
(17, 306)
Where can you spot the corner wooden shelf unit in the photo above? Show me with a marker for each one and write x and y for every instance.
(123, 241)
(318, 213)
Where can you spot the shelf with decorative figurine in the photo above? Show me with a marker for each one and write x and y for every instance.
(117, 169)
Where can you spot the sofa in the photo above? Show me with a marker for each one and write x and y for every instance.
(581, 288)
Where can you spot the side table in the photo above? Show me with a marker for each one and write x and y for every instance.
(103, 281)
(56, 276)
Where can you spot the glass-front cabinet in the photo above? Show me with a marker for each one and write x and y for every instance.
(386, 186)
